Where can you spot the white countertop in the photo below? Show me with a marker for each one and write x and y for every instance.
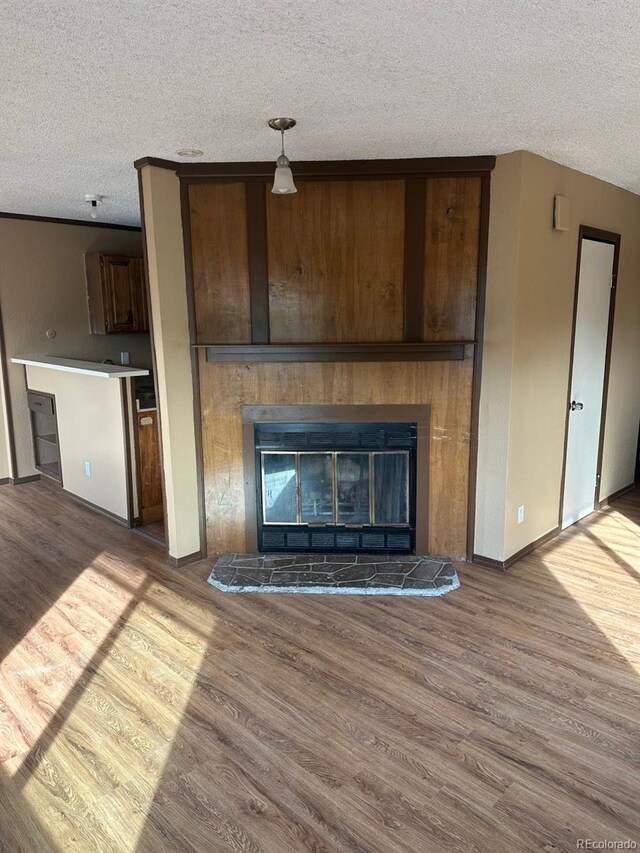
(88, 368)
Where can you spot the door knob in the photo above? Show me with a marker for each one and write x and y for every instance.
(576, 406)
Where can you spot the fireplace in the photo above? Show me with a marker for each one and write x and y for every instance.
(336, 487)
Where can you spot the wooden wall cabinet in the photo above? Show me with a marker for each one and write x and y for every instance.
(116, 294)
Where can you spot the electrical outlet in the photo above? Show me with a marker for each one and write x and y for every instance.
(520, 513)
(124, 358)
(87, 469)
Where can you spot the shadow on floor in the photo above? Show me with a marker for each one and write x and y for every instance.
(501, 717)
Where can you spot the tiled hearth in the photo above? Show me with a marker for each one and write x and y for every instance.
(331, 574)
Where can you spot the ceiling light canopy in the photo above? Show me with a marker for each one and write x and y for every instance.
(283, 178)
(189, 152)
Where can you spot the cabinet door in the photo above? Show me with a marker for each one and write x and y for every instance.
(149, 467)
(121, 293)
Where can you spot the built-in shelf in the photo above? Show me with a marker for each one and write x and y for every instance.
(50, 439)
(52, 469)
(44, 428)
(401, 351)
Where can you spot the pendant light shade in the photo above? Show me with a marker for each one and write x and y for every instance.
(283, 179)
(283, 183)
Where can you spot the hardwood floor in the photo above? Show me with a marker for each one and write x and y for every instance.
(142, 710)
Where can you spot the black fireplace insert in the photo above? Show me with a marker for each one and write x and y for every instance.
(336, 487)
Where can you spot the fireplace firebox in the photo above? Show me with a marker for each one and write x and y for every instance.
(336, 487)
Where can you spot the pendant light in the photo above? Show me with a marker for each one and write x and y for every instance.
(283, 179)
(94, 201)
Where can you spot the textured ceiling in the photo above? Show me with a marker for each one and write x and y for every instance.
(88, 87)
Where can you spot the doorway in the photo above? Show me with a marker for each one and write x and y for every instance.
(598, 254)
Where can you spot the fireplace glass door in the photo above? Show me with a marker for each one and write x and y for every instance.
(350, 489)
(341, 498)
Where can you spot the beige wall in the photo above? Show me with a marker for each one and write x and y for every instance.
(42, 286)
(169, 317)
(530, 293)
(91, 428)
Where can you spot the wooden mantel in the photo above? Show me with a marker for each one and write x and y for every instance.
(400, 351)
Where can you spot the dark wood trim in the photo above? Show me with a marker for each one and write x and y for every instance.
(615, 495)
(338, 413)
(4, 372)
(485, 207)
(179, 562)
(59, 221)
(127, 425)
(4, 481)
(336, 352)
(488, 562)
(258, 264)
(329, 169)
(414, 214)
(123, 522)
(587, 232)
(185, 212)
(503, 565)
(31, 478)
(159, 162)
(154, 361)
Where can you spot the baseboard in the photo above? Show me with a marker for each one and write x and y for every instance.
(179, 562)
(4, 481)
(503, 565)
(488, 562)
(110, 515)
(623, 491)
(19, 481)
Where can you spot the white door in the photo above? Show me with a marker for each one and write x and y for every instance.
(587, 379)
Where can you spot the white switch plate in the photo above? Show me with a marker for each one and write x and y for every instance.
(87, 469)
(520, 513)
(124, 358)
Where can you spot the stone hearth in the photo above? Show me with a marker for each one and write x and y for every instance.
(331, 574)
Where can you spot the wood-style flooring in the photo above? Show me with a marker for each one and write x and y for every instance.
(143, 710)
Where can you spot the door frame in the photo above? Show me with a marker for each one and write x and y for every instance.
(587, 232)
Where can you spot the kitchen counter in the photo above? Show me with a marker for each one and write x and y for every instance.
(94, 436)
(86, 368)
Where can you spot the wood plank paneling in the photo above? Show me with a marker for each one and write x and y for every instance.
(452, 234)
(218, 219)
(445, 386)
(335, 254)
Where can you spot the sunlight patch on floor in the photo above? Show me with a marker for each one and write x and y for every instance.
(612, 584)
(51, 658)
(101, 750)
